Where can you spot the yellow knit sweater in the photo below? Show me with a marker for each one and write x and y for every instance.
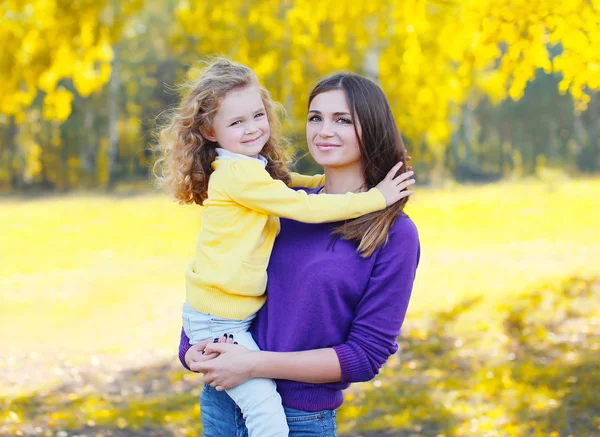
(239, 225)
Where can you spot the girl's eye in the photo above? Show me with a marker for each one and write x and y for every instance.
(259, 115)
(235, 123)
(314, 118)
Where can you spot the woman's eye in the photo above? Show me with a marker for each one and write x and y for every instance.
(314, 118)
(344, 120)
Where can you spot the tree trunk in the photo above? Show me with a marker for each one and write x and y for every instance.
(552, 141)
(59, 130)
(11, 148)
(113, 118)
(593, 131)
(580, 136)
(89, 153)
(467, 129)
(454, 142)
(371, 64)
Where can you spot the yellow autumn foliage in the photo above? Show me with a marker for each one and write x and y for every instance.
(429, 56)
(45, 42)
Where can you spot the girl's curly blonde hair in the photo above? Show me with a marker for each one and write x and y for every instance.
(185, 155)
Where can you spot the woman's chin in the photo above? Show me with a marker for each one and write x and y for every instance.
(332, 161)
(326, 158)
(327, 161)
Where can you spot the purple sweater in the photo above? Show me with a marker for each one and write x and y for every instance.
(321, 294)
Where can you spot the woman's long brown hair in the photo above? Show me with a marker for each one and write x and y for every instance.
(381, 148)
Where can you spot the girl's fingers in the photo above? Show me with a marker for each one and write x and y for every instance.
(403, 176)
(403, 185)
(393, 171)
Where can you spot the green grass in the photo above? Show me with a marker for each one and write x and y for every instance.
(532, 374)
(91, 290)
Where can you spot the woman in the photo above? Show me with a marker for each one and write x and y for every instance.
(337, 292)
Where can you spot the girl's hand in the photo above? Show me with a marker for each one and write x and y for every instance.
(394, 187)
(233, 366)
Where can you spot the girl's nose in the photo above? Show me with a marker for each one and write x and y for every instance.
(250, 129)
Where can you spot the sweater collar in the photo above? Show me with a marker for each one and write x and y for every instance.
(226, 154)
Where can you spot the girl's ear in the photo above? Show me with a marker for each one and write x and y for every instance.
(208, 134)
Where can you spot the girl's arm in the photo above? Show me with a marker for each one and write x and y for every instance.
(318, 180)
(300, 180)
(252, 187)
(372, 337)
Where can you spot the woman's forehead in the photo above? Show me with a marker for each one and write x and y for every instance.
(330, 102)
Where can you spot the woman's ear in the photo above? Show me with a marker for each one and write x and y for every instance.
(208, 134)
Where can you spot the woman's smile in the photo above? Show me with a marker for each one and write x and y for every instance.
(323, 146)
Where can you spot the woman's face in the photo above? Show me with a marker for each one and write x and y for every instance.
(330, 133)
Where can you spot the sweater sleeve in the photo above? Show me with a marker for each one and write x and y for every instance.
(251, 186)
(380, 313)
(300, 180)
(184, 345)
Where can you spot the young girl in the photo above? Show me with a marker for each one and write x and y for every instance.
(222, 150)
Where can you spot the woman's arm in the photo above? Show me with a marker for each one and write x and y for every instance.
(372, 337)
(317, 366)
(236, 364)
(184, 346)
(380, 313)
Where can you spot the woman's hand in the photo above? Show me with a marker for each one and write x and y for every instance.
(233, 366)
(394, 188)
(196, 354)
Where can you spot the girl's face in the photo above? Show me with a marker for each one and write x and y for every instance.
(241, 124)
(332, 140)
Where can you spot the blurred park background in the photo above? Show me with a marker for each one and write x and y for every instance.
(498, 102)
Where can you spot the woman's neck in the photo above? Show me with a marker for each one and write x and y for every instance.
(342, 180)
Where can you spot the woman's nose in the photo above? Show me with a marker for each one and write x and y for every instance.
(326, 131)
